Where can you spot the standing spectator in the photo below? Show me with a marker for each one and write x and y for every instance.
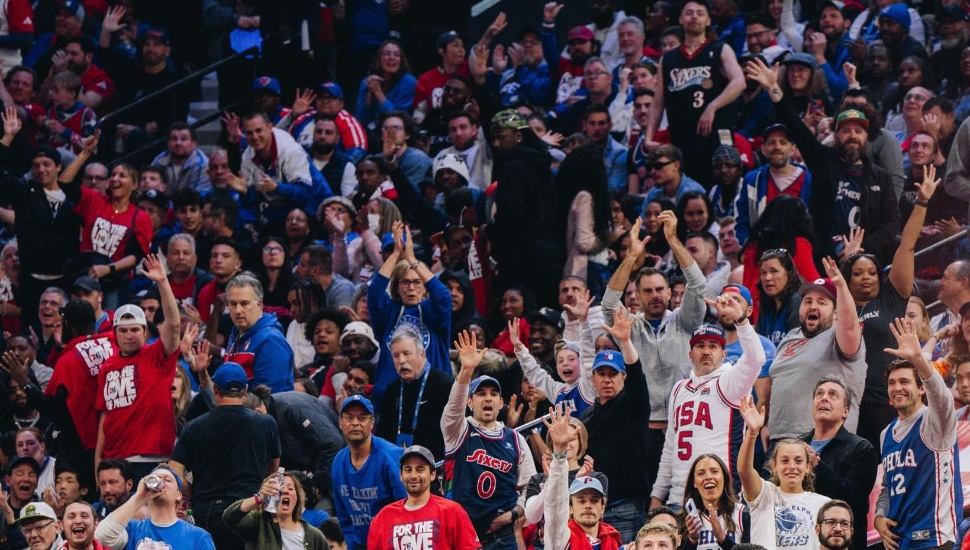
(520, 73)
(585, 207)
(847, 464)
(252, 439)
(421, 515)
(162, 527)
(413, 404)
(957, 182)
(494, 453)
(185, 164)
(18, 35)
(918, 452)
(186, 278)
(405, 294)
(336, 166)
(364, 473)
(597, 126)
(136, 383)
(429, 88)
(696, 113)
(68, 120)
(316, 263)
(669, 180)
(88, 288)
(256, 341)
(469, 151)
(389, 86)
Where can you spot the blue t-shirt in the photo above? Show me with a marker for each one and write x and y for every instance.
(733, 351)
(360, 494)
(142, 533)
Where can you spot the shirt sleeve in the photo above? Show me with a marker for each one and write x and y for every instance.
(111, 533)
(737, 381)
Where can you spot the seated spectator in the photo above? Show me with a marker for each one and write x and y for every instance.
(77, 56)
(186, 278)
(328, 101)
(429, 89)
(114, 485)
(68, 18)
(316, 263)
(273, 271)
(597, 125)
(336, 166)
(669, 180)
(185, 164)
(266, 98)
(68, 120)
(388, 86)
(469, 144)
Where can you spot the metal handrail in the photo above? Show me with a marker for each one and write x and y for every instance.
(177, 84)
(939, 244)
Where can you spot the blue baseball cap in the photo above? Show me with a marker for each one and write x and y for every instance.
(266, 83)
(387, 239)
(357, 400)
(477, 383)
(609, 358)
(584, 483)
(230, 377)
(331, 88)
(739, 289)
(708, 332)
(898, 13)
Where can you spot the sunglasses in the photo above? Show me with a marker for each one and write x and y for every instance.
(774, 253)
(659, 164)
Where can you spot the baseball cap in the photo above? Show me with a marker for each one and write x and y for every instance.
(130, 314)
(419, 451)
(584, 483)
(726, 152)
(954, 11)
(78, 313)
(387, 239)
(477, 383)
(526, 31)
(36, 510)
(566, 344)
(739, 289)
(708, 332)
(609, 358)
(357, 399)
(157, 34)
(267, 83)
(509, 118)
(230, 377)
(851, 115)
(824, 286)
(452, 161)
(18, 460)
(331, 88)
(548, 315)
(446, 38)
(76, 8)
(86, 282)
(779, 127)
(802, 58)
(47, 151)
(898, 13)
(156, 197)
(580, 33)
(359, 327)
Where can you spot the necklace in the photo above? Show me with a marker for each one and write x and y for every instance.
(25, 422)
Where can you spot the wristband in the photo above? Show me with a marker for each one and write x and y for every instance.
(515, 514)
(112, 268)
(752, 434)
(415, 266)
(257, 499)
(921, 202)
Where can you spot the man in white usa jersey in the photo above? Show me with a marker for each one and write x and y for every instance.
(703, 408)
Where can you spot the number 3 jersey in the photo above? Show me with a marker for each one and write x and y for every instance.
(691, 82)
(921, 487)
(481, 474)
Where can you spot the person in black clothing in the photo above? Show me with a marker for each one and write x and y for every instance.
(524, 239)
(617, 426)
(45, 222)
(845, 464)
(848, 191)
(411, 409)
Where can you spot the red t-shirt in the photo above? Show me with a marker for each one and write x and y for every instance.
(207, 299)
(184, 292)
(20, 17)
(430, 87)
(77, 370)
(136, 399)
(441, 524)
(96, 80)
(107, 232)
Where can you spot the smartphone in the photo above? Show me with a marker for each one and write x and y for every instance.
(691, 509)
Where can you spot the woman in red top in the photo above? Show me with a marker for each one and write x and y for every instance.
(116, 232)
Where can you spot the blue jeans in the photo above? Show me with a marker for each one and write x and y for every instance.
(626, 516)
(504, 540)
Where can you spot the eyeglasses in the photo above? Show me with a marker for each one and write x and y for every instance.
(595, 74)
(36, 529)
(915, 97)
(410, 282)
(272, 250)
(831, 523)
(362, 418)
(659, 164)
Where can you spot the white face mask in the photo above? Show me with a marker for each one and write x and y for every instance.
(374, 222)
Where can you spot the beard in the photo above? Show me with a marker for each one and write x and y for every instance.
(778, 162)
(849, 154)
(827, 542)
(321, 148)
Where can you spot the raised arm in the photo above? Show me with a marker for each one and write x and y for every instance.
(537, 376)
(453, 419)
(387, 268)
(90, 146)
(656, 108)
(556, 511)
(848, 332)
(754, 420)
(168, 331)
(901, 274)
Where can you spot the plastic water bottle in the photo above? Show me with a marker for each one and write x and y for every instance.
(189, 517)
(273, 502)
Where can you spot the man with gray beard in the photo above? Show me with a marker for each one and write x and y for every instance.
(953, 38)
(848, 191)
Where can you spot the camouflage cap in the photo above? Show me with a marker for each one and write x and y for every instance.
(509, 118)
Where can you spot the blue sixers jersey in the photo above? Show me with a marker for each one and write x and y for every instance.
(481, 474)
(923, 486)
(575, 399)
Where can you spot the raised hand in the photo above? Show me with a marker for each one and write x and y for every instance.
(303, 101)
(754, 418)
(550, 11)
(586, 467)
(516, 54)
(926, 189)
(90, 143)
(637, 246)
(499, 61)
(11, 122)
(514, 334)
(622, 324)
(669, 221)
(514, 412)
(907, 342)
(397, 229)
(202, 357)
(853, 243)
(112, 20)
(468, 353)
(15, 368)
(765, 76)
(850, 73)
(495, 28)
(409, 246)
(153, 269)
(59, 59)
(726, 308)
(188, 340)
(560, 430)
(231, 122)
(832, 270)
(581, 309)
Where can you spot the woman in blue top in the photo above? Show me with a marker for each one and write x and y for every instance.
(405, 294)
(388, 86)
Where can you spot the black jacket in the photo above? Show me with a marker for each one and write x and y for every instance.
(47, 239)
(433, 401)
(847, 471)
(618, 437)
(879, 209)
(309, 433)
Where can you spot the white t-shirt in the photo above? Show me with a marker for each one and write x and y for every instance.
(781, 520)
(293, 540)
